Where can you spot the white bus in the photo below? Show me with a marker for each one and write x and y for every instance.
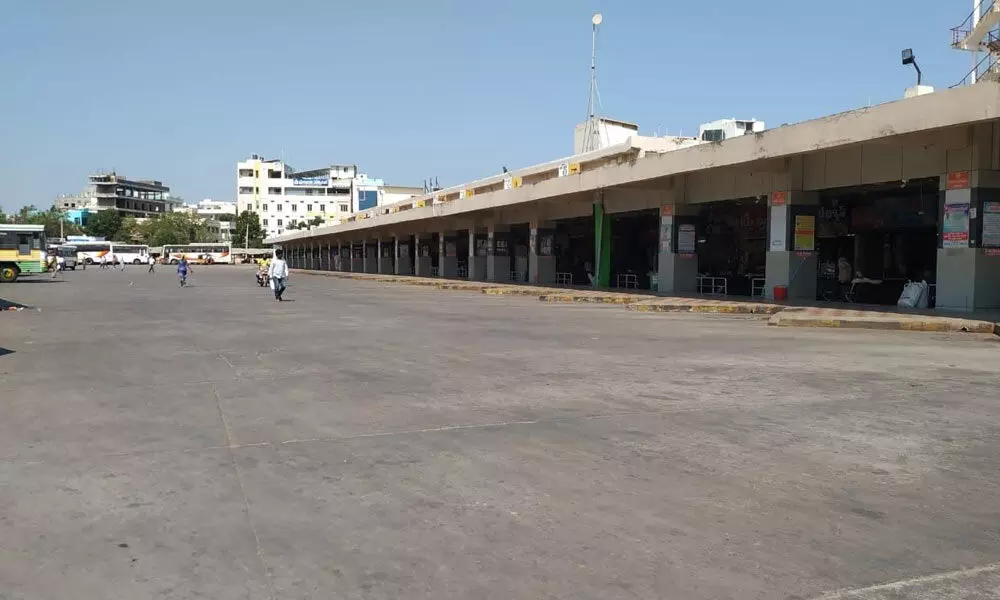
(201, 253)
(91, 252)
(136, 254)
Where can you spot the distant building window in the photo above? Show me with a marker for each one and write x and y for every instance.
(264, 222)
(274, 190)
(345, 208)
(273, 174)
(264, 207)
(279, 222)
(279, 208)
(322, 208)
(246, 172)
(713, 135)
(309, 207)
(309, 192)
(294, 207)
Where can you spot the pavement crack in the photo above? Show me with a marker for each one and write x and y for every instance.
(272, 593)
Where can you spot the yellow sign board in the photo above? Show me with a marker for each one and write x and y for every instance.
(516, 181)
(574, 168)
(805, 232)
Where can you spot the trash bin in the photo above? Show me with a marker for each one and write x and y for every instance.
(780, 293)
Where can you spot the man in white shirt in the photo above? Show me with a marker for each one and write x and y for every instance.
(278, 271)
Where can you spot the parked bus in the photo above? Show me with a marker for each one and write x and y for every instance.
(22, 250)
(67, 252)
(135, 254)
(92, 252)
(200, 253)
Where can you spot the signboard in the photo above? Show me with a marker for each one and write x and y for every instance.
(686, 239)
(991, 224)
(779, 227)
(667, 234)
(574, 168)
(516, 182)
(805, 232)
(313, 181)
(563, 170)
(958, 180)
(546, 241)
(779, 198)
(667, 210)
(955, 228)
(508, 182)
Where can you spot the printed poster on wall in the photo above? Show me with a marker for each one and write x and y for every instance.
(779, 220)
(686, 239)
(991, 224)
(955, 229)
(805, 233)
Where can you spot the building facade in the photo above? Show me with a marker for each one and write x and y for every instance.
(288, 199)
(141, 198)
(219, 217)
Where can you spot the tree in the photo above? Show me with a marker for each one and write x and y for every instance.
(174, 228)
(316, 221)
(130, 231)
(55, 222)
(248, 220)
(106, 224)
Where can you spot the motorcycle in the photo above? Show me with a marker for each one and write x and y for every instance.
(263, 279)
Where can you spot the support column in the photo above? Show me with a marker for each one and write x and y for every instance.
(478, 241)
(678, 257)
(371, 257)
(968, 255)
(403, 260)
(357, 257)
(498, 254)
(338, 264)
(448, 255)
(791, 260)
(386, 250)
(602, 244)
(422, 263)
(541, 259)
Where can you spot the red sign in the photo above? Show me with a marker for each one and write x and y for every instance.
(779, 198)
(958, 180)
(667, 211)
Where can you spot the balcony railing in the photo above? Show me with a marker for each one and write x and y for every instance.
(960, 33)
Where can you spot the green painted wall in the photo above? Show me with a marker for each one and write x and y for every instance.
(602, 246)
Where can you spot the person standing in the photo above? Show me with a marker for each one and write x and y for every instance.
(182, 271)
(123, 264)
(278, 272)
(152, 263)
(104, 262)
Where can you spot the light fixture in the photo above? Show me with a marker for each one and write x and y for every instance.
(910, 59)
(596, 19)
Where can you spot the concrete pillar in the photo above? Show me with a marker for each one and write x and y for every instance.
(968, 255)
(338, 264)
(357, 257)
(498, 254)
(541, 259)
(448, 255)
(371, 258)
(791, 253)
(404, 263)
(422, 262)
(678, 257)
(477, 254)
(386, 250)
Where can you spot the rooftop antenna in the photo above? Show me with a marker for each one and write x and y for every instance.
(592, 135)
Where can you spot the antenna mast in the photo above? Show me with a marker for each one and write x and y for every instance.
(592, 134)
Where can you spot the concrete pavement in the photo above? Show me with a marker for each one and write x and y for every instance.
(373, 441)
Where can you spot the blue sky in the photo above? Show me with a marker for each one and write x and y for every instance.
(182, 90)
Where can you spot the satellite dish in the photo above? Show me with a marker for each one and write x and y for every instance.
(596, 20)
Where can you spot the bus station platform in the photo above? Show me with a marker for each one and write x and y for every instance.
(818, 314)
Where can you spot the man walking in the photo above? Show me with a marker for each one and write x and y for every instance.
(278, 271)
(152, 263)
(104, 262)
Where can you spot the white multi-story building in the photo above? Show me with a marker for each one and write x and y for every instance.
(724, 129)
(217, 216)
(285, 198)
